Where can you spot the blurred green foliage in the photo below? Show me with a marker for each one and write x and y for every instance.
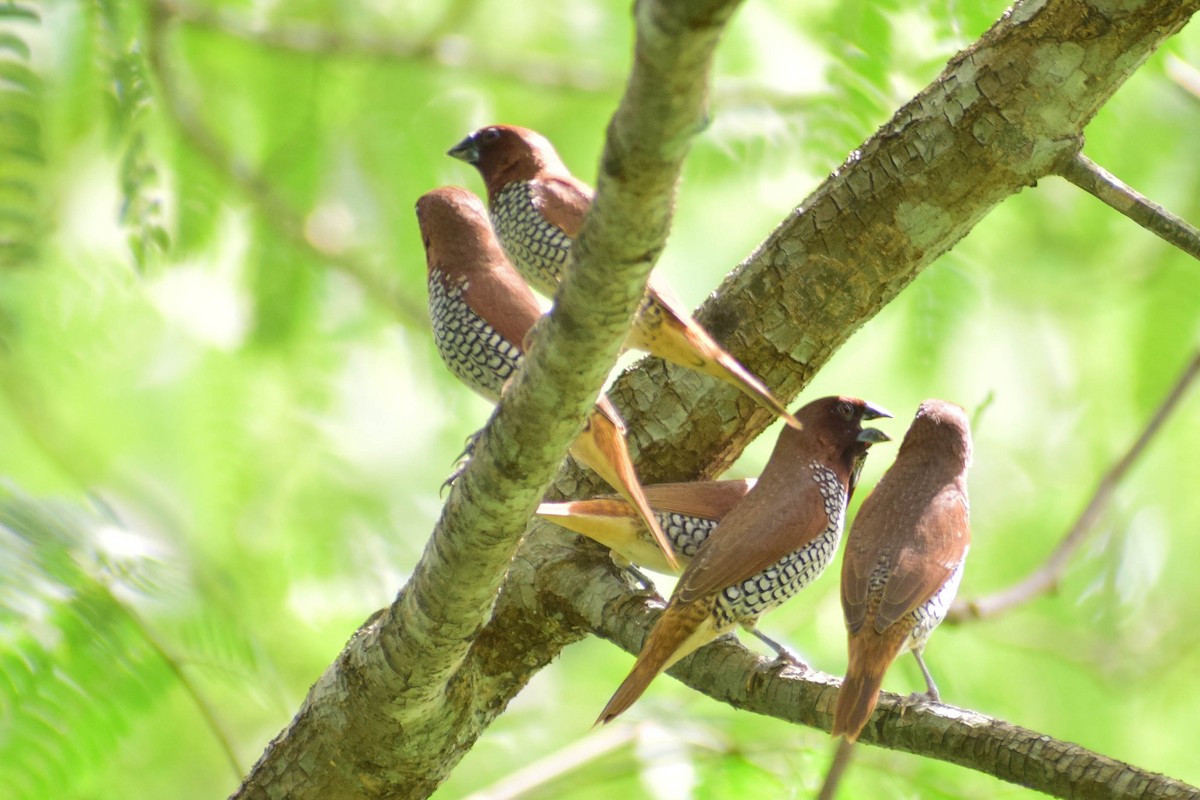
(228, 425)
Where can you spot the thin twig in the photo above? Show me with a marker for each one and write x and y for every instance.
(1094, 179)
(542, 772)
(1046, 577)
(176, 668)
(440, 45)
(270, 205)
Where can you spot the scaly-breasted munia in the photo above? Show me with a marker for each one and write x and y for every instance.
(481, 311)
(904, 558)
(770, 546)
(688, 513)
(537, 208)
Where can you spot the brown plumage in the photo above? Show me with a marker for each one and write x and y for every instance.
(537, 208)
(687, 512)
(481, 311)
(904, 558)
(769, 546)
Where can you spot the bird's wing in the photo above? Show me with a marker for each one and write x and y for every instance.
(921, 569)
(563, 201)
(759, 531)
(857, 564)
(703, 499)
(503, 299)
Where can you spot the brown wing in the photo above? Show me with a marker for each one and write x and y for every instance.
(502, 298)
(703, 499)
(563, 201)
(759, 531)
(921, 568)
(857, 563)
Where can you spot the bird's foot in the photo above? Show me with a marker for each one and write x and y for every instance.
(460, 463)
(646, 582)
(784, 657)
(918, 699)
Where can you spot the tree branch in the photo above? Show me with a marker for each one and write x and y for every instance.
(1003, 114)
(958, 736)
(1045, 578)
(402, 703)
(1106, 187)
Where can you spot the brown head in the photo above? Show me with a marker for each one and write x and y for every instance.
(940, 435)
(462, 249)
(506, 153)
(833, 432)
(455, 230)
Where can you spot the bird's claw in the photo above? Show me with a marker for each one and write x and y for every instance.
(460, 462)
(646, 582)
(917, 699)
(785, 657)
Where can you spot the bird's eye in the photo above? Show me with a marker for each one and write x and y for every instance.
(845, 410)
(491, 134)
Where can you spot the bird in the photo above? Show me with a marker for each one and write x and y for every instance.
(769, 546)
(537, 208)
(687, 511)
(481, 312)
(904, 558)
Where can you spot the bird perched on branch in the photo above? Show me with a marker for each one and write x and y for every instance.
(481, 311)
(769, 546)
(688, 513)
(537, 208)
(904, 558)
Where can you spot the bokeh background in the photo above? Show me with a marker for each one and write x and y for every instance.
(223, 423)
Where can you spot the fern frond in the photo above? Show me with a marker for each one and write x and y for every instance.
(78, 666)
(21, 153)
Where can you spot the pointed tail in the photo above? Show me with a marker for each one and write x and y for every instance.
(679, 631)
(614, 523)
(667, 330)
(602, 447)
(860, 691)
(644, 671)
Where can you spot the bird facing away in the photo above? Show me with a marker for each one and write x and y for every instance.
(481, 311)
(769, 546)
(537, 208)
(688, 513)
(904, 558)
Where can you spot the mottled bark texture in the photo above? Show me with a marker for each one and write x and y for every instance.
(417, 684)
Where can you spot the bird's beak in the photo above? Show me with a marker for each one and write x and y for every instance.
(467, 150)
(870, 410)
(873, 436)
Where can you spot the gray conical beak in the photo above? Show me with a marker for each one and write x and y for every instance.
(873, 435)
(467, 150)
(872, 411)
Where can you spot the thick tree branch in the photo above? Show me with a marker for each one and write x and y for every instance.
(1046, 578)
(1004, 113)
(401, 704)
(947, 733)
(1110, 190)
